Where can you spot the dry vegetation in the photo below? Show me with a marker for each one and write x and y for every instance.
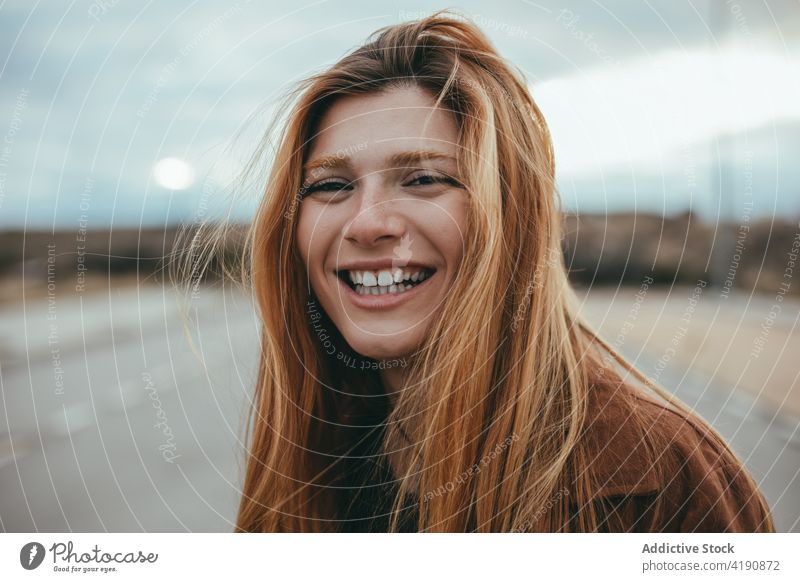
(599, 250)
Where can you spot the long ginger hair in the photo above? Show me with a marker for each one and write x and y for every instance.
(507, 366)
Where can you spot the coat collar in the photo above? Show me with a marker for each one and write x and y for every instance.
(618, 454)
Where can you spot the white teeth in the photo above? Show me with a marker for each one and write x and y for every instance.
(382, 289)
(385, 278)
(386, 281)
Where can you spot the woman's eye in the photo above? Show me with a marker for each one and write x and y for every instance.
(329, 187)
(432, 179)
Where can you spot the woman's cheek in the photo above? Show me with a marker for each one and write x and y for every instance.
(314, 242)
(305, 239)
(447, 226)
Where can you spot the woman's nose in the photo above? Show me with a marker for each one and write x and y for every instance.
(375, 221)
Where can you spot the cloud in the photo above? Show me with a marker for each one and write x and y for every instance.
(88, 78)
(649, 109)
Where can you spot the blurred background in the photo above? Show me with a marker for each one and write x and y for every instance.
(676, 132)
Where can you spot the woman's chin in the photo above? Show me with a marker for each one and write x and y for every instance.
(383, 347)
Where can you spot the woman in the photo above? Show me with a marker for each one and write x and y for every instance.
(424, 366)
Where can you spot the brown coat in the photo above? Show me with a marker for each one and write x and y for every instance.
(702, 485)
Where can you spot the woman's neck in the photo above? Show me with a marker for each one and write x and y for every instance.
(393, 382)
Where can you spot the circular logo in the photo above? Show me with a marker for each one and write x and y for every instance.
(31, 555)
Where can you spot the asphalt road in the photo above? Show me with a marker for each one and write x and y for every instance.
(117, 425)
(109, 421)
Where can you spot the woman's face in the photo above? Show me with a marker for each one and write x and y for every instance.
(382, 220)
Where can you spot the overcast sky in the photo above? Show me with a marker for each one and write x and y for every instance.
(654, 106)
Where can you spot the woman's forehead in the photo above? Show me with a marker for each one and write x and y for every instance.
(374, 127)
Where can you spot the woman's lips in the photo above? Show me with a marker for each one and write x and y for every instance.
(385, 301)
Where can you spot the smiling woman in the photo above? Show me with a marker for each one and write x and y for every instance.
(423, 363)
(379, 291)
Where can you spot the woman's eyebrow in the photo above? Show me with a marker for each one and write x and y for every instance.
(398, 160)
(325, 162)
(404, 159)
